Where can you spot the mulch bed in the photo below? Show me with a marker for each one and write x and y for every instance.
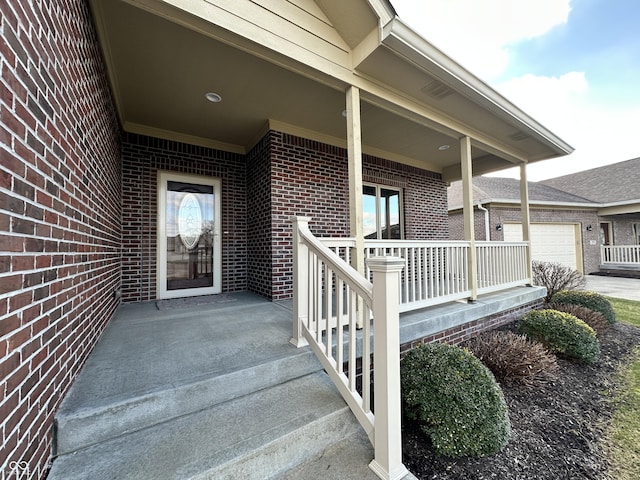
(557, 433)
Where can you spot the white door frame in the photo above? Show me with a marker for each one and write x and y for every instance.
(161, 253)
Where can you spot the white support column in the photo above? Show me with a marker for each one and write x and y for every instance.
(354, 149)
(354, 154)
(300, 281)
(467, 208)
(387, 463)
(526, 219)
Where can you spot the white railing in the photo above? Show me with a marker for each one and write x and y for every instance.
(501, 265)
(434, 272)
(331, 299)
(620, 254)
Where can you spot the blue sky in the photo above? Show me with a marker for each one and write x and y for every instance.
(574, 65)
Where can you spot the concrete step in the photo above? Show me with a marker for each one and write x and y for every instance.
(99, 420)
(258, 436)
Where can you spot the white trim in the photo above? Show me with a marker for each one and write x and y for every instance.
(161, 264)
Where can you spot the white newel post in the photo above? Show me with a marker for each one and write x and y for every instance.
(387, 463)
(300, 280)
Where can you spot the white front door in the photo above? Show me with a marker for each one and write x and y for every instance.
(189, 252)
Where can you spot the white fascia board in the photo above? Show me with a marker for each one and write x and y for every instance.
(633, 204)
(400, 38)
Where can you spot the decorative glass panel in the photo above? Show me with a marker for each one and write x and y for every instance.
(190, 220)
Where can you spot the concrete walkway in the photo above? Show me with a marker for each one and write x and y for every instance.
(617, 287)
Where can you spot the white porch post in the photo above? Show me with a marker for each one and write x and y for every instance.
(526, 220)
(467, 208)
(354, 154)
(300, 281)
(387, 463)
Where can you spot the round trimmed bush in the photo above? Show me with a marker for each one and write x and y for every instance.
(455, 399)
(562, 333)
(594, 319)
(514, 359)
(591, 300)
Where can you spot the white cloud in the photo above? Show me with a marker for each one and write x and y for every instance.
(600, 132)
(477, 33)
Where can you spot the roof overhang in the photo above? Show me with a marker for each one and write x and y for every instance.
(290, 72)
(602, 209)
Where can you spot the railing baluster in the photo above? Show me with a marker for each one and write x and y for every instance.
(352, 341)
(339, 326)
(328, 286)
(319, 300)
(366, 361)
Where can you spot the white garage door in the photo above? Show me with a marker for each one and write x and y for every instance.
(550, 242)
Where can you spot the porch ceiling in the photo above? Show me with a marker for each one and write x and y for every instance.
(161, 70)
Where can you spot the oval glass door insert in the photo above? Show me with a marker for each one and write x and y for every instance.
(189, 221)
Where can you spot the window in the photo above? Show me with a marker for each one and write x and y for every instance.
(381, 217)
(636, 233)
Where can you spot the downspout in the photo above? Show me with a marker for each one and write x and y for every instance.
(486, 221)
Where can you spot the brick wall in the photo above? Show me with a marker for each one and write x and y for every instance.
(623, 232)
(259, 217)
(142, 158)
(59, 216)
(424, 196)
(456, 226)
(311, 179)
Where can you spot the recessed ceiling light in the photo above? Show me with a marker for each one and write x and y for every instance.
(213, 97)
(444, 147)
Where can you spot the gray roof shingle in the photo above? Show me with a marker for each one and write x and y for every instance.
(487, 189)
(617, 182)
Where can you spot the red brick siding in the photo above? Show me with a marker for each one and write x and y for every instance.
(142, 158)
(259, 217)
(59, 215)
(280, 177)
(311, 178)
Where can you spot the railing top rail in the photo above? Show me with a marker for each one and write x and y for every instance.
(499, 243)
(360, 284)
(416, 243)
(338, 241)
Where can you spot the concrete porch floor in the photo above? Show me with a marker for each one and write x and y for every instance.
(144, 348)
(145, 352)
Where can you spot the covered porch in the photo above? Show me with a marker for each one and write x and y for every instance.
(620, 259)
(202, 386)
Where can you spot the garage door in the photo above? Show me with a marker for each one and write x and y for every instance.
(550, 242)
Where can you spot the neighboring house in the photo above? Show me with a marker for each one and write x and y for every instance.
(588, 220)
(159, 149)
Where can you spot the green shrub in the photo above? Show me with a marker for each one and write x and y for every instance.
(594, 319)
(562, 333)
(556, 277)
(591, 300)
(514, 359)
(455, 399)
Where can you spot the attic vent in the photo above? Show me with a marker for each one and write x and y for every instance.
(518, 136)
(437, 90)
